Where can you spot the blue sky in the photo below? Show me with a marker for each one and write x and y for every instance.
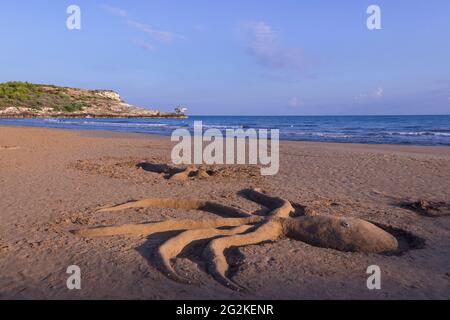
(286, 57)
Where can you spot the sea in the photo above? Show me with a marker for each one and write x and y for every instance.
(404, 130)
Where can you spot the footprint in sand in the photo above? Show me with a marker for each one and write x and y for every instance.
(9, 147)
(3, 247)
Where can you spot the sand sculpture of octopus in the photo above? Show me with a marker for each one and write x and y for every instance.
(241, 228)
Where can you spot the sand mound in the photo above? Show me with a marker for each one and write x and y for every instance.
(429, 208)
(152, 170)
(406, 240)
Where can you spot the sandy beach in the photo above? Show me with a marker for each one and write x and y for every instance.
(54, 181)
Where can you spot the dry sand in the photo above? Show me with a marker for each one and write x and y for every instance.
(54, 181)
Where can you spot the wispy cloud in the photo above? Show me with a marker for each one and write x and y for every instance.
(264, 44)
(378, 92)
(115, 11)
(374, 94)
(158, 35)
(161, 36)
(144, 45)
(199, 27)
(295, 102)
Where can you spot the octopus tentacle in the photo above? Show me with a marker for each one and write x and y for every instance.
(187, 204)
(280, 207)
(214, 252)
(174, 246)
(170, 225)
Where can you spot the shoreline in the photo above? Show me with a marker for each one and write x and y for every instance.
(117, 132)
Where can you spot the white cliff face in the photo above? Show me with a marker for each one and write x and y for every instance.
(109, 95)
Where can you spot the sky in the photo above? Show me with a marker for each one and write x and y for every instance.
(252, 57)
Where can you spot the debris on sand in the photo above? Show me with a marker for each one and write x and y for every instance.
(429, 208)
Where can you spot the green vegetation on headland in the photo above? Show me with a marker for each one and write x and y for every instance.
(37, 97)
(22, 99)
